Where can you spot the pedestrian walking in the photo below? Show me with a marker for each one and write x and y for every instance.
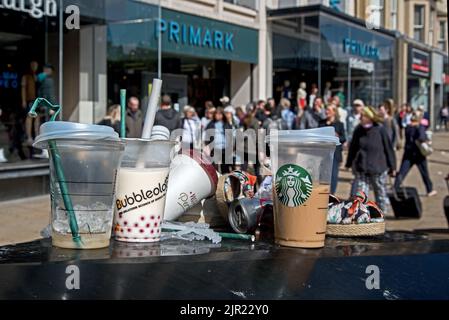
(287, 116)
(338, 100)
(407, 116)
(240, 114)
(371, 157)
(217, 136)
(415, 133)
(112, 118)
(191, 126)
(333, 121)
(313, 116)
(353, 119)
(134, 119)
(166, 116)
(444, 116)
(386, 112)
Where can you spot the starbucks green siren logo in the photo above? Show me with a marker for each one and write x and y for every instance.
(293, 185)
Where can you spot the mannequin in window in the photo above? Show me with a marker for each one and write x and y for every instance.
(313, 94)
(302, 95)
(327, 95)
(286, 90)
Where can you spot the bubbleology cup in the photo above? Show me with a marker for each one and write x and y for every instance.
(192, 179)
(301, 162)
(141, 190)
(89, 156)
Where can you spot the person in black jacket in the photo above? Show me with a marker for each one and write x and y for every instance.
(332, 120)
(412, 156)
(112, 118)
(371, 157)
(167, 116)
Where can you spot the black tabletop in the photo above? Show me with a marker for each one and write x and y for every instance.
(398, 265)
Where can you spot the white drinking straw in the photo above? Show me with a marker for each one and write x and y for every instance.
(149, 119)
(152, 108)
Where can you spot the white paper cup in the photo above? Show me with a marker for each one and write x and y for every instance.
(192, 179)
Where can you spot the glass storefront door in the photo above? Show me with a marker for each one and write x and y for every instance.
(29, 66)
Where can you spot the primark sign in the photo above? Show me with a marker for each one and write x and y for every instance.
(35, 8)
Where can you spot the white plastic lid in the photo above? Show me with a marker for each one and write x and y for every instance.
(160, 133)
(318, 135)
(54, 130)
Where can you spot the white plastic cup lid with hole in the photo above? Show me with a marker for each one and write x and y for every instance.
(54, 130)
(317, 135)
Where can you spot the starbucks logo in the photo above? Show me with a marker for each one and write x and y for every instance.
(293, 185)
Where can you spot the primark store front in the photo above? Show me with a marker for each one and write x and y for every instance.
(333, 52)
(116, 46)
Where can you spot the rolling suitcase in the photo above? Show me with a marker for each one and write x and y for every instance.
(446, 208)
(446, 201)
(405, 203)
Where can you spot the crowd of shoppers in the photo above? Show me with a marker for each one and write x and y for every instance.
(370, 135)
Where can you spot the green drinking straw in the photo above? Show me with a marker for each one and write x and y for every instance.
(58, 169)
(123, 113)
(240, 236)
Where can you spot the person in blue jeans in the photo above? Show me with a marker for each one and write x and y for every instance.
(412, 155)
(332, 121)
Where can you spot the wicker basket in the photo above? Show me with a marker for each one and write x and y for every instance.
(356, 230)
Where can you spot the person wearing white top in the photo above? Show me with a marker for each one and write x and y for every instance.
(191, 128)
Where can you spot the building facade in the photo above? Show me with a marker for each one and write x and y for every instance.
(245, 49)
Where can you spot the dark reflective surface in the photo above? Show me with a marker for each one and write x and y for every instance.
(411, 265)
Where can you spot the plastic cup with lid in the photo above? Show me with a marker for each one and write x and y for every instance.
(301, 164)
(89, 157)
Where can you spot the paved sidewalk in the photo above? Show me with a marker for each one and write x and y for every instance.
(22, 220)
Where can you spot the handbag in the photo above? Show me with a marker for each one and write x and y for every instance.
(424, 147)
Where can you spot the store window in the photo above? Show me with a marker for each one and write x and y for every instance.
(358, 63)
(252, 4)
(418, 84)
(335, 56)
(442, 36)
(393, 14)
(29, 66)
(418, 23)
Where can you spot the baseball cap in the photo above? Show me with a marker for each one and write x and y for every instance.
(229, 109)
(224, 99)
(358, 102)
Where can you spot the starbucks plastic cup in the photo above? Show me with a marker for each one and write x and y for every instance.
(89, 156)
(192, 179)
(141, 190)
(301, 162)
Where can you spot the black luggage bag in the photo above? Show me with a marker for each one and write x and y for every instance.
(446, 207)
(405, 203)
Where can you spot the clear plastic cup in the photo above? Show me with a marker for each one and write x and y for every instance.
(301, 163)
(141, 190)
(89, 157)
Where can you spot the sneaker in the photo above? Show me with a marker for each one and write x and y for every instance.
(2, 156)
(43, 155)
(432, 193)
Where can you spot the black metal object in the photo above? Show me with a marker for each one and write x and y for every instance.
(412, 266)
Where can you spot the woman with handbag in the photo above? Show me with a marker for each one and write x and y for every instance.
(415, 152)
